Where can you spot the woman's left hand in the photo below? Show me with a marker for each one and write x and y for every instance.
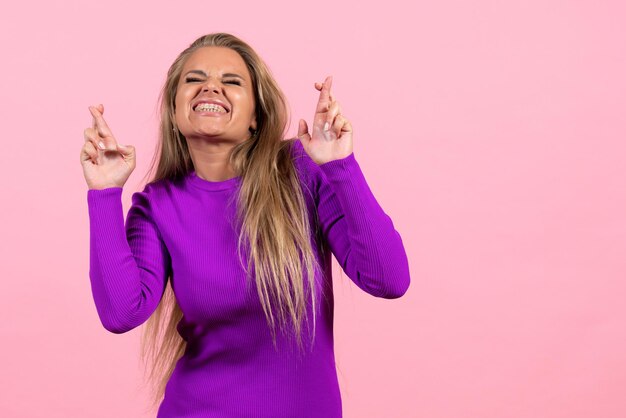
(332, 144)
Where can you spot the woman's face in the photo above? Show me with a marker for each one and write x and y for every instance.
(220, 74)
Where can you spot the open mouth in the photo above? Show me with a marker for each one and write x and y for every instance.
(210, 108)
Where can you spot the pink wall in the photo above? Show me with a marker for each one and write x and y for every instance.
(493, 134)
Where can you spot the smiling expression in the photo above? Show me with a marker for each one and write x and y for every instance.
(215, 74)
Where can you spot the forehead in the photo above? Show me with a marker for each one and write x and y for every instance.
(216, 59)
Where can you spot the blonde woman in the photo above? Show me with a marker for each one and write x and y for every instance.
(226, 253)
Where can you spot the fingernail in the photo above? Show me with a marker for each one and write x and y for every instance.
(101, 145)
(326, 126)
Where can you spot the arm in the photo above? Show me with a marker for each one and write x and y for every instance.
(129, 265)
(360, 234)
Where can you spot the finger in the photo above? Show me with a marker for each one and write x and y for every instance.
(103, 130)
(98, 121)
(95, 138)
(338, 124)
(89, 152)
(91, 135)
(329, 82)
(324, 97)
(101, 125)
(100, 107)
(318, 86)
(334, 110)
(347, 126)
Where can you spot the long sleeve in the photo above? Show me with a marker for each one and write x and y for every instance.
(129, 264)
(359, 233)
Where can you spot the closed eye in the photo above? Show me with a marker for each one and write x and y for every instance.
(193, 80)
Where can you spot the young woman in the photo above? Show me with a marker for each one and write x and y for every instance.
(234, 207)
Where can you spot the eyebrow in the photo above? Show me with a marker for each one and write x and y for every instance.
(224, 75)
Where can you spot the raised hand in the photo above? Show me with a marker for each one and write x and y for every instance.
(105, 162)
(326, 142)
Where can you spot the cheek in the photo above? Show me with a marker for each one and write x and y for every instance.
(248, 103)
(178, 104)
(180, 109)
(182, 98)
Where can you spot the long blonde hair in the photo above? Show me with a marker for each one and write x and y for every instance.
(270, 192)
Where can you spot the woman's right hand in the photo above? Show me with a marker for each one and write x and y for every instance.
(109, 167)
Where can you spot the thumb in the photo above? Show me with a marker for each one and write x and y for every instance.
(303, 129)
(125, 149)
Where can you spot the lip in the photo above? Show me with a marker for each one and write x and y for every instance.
(210, 101)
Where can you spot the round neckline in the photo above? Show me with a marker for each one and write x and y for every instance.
(213, 185)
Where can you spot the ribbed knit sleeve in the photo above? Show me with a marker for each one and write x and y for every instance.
(129, 263)
(360, 234)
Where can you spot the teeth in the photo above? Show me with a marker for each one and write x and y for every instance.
(210, 107)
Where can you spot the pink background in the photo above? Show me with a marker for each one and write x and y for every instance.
(493, 134)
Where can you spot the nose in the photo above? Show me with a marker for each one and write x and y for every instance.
(210, 84)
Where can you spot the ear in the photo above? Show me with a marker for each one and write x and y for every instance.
(253, 124)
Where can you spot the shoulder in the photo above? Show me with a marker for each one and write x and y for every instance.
(153, 192)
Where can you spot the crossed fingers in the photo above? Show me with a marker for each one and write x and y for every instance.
(99, 129)
(327, 104)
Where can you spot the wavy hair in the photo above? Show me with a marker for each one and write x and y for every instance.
(275, 233)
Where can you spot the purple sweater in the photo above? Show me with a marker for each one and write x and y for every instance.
(230, 367)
